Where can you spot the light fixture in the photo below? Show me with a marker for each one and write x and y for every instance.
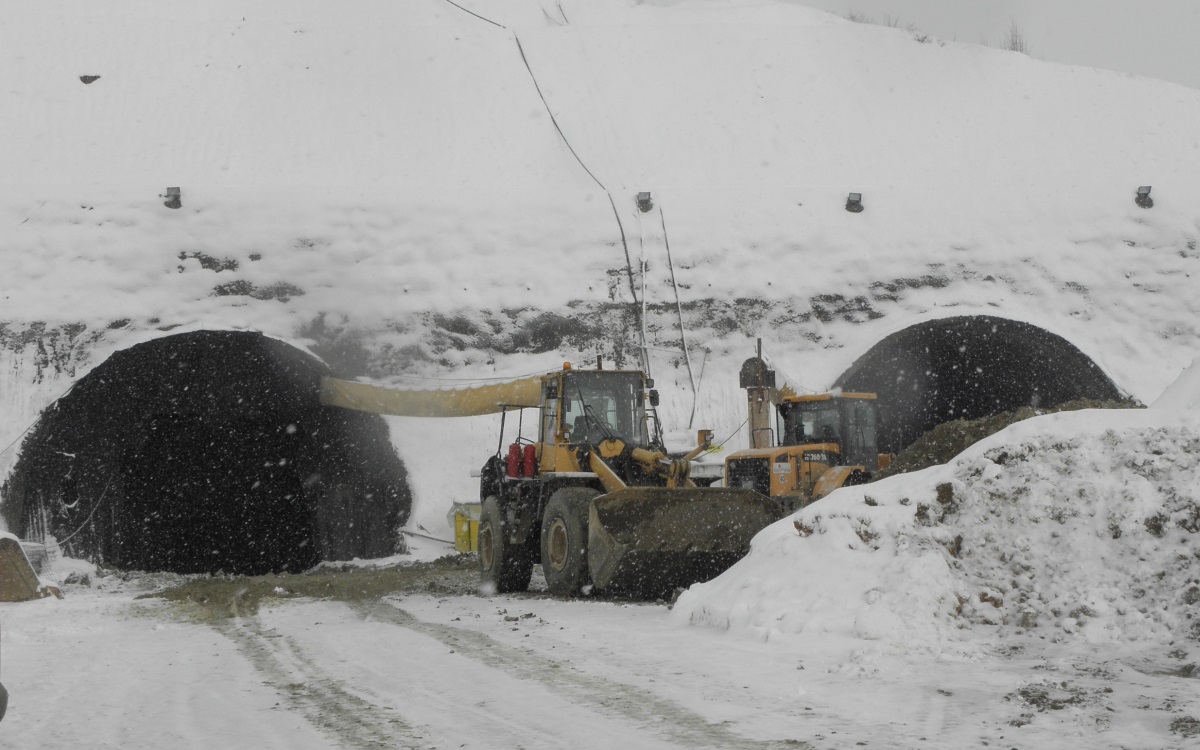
(854, 203)
(644, 203)
(172, 198)
(1143, 197)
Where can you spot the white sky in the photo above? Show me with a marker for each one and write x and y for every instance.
(1155, 38)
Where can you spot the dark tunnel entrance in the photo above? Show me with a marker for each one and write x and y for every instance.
(967, 368)
(208, 452)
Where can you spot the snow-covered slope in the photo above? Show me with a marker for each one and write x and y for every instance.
(409, 188)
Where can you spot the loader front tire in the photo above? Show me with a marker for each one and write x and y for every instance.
(503, 566)
(564, 541)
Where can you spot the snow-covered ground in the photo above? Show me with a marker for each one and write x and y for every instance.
(1042, 590)
(368, 166)
(1045, 630)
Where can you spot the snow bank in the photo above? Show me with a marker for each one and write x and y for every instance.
(1184, 393)
(1080, 525)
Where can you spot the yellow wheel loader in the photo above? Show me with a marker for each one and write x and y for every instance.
(821, 441)
(593, 496)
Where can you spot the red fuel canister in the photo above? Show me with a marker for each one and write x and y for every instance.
(513, 465)
(529, 462)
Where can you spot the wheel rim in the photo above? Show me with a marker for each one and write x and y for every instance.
(558, 549)
(487, 552)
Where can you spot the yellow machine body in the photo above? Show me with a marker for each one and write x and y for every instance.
(646, 526)
(819, 443)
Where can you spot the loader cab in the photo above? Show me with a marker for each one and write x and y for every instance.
(586, 406)
(847, 421)
(823, 441)
(598, 404)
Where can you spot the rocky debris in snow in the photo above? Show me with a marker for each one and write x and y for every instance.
(948, 439)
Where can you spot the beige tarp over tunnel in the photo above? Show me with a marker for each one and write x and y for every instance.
(19, 582)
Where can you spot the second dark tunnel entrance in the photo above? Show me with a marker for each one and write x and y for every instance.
(970, 367)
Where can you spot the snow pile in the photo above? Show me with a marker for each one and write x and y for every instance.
(1184, 393)
(1079, 525)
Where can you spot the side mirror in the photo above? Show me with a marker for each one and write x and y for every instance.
(653, 397)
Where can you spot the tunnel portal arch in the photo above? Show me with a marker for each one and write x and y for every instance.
(968, 367)
(208, 452)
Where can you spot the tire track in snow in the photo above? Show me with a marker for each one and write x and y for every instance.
(325, 702)
(636, 706)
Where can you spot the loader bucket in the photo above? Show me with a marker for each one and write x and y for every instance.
(19, 582)
(645, 542)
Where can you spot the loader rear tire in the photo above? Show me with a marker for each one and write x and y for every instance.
(503, 566)
(564, 541)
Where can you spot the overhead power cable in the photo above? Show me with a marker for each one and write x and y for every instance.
(89, 517)
(552, 118)
(456, 5)
(687, 357)
(616, 213)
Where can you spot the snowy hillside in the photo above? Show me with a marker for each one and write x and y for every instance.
(343, 214)
(448, 190)
(439, 192)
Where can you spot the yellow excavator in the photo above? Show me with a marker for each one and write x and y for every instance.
(594, 496)
(821, 441)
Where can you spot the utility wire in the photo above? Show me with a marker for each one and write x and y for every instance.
(638, 312)
(29, 426)
(620, 226)
(552, 118)
(89, 518)
(456, 5)
(739, 429)
(426, 536)
(687, 357)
